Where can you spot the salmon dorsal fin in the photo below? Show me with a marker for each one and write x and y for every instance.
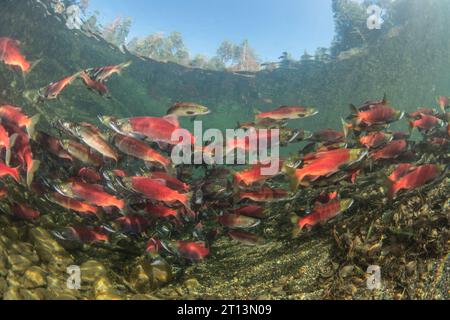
(173, 119)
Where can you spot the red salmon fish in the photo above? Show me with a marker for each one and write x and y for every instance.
(156, 190)
(91, 193)
(24, 212)
(400, 171)
(328, 136)
(256, 174)
(87, 235)
(391, 151)
(418, 177)
(53, 145)
(53, 90)
(72, 204)
(139, 149)
(235, 221)
(324, 164)
(375, 139)
(14, 115)
(94, 85)
(23, 153)
(321, 214)
(102, 74)
(7, 171)
(134, 224)
(169, 181)
(89, 175)
(426, 122)
(161, 212)
(194, 251)
(287, 113)
(10, 54)
(159, 130)
(264, 195)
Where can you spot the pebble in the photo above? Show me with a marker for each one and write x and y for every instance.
(32, 294)
(161, 272)
(12, 294)
(19, 263)
(142, 278)
(49, 250)
(192, 284)
(34, 277)
(92, 270)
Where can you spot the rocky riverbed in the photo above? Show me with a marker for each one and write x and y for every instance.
(33, 264)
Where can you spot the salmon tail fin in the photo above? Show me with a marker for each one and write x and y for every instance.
(31, 171)
(187, 203)
(31, 127)
(391, 191)
(296, 230)
(12, 142)
(371, 164)
(290, 172)
(256, 112)
(34, 64)
(124, 65)
(237, 180)
(411, 127)
(346, 127)
(15, 174)
(442, 106)
(385, 100)
(353, 109)
(170, 168)
(387, 186)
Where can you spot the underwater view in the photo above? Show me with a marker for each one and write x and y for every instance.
(305, 158)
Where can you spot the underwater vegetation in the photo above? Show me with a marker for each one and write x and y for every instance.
(104, 194)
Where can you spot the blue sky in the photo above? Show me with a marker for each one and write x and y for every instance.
(271, 26)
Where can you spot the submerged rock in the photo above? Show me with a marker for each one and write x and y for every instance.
(91, 271)
(35, 277)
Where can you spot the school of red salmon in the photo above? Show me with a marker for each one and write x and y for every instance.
(117, 174)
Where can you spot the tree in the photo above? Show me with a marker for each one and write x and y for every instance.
(110, 33)
(176, 49)
(350, 23)
(245, 58)
(199, 61)
(215, 63)
(123, 31)
(91, 23)
(226, 52)
(287, 61)
(322, 55)
(157, 46)
(306, 57)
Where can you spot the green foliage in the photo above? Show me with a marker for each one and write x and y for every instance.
(117, 31)
(161, 48)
